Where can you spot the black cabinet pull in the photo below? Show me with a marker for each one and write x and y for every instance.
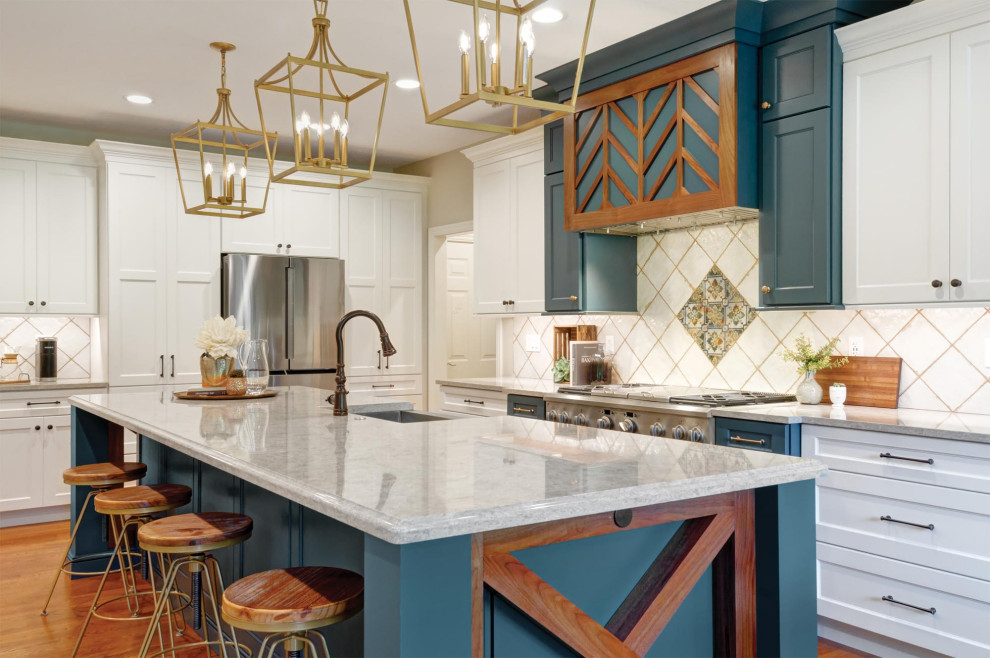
(37, 427)
(51, 427)
(161, 372)
(955, 283)
(386, 362)
(383, 386)
(31, 404)
(31, 303)
(288, 246)
(474, 401)
(44, 303)
(930, 526)
(173, 365)
(890, 598)
(887, 455)
(936, 284)
(379, 359)
(279, 245)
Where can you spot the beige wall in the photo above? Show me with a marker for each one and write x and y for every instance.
(451, 187)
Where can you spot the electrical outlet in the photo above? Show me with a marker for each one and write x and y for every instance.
(856, 346)
(532, 343)
(610, 344)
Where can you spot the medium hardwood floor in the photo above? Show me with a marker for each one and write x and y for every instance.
(28, 555)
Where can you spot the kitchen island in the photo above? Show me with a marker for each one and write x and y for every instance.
(492, 536)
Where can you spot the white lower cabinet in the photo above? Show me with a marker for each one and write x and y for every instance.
(35, 452)
(903, 530)
(472, 401)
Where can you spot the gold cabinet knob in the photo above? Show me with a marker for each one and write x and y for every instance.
(765, 289)
(766, 105)
(573, 298)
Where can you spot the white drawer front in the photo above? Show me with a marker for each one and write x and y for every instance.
(850, 509)
(472, 401)
(955, 464)
(385, 386)
(851, 590)
(40, 403)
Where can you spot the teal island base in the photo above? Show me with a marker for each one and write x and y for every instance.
(731, 574)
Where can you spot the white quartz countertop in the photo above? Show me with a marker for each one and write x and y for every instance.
(61, 384)
(937, 424)
(521, 385)
(411, 482)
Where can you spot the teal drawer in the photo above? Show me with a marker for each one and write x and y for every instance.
(752, 435)
(526, 406)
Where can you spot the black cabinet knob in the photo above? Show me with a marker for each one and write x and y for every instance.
(279, 245)
(37, 427)
(955, 283)
(288, 246)
(30, 303)
(44, 303)
(936, 284)
(51, 427)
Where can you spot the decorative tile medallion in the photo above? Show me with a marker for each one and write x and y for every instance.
(716, 315)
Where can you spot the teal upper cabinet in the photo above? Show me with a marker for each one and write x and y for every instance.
(553, 150)
(800, 219)
(591, 272)
(795, 74)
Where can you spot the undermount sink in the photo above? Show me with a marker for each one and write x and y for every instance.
(403, 416)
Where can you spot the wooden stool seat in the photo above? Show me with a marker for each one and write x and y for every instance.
(134, 500)
(187, 533)
(300, 596)
(98, 475)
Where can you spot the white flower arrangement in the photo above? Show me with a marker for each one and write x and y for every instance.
(219, 337)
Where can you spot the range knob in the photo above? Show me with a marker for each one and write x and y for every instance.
(581, 420)
(657, 429)
(552, 416)
(605, 423)
(564, 417)
(679, 433)
(628, 425)
(697, 435)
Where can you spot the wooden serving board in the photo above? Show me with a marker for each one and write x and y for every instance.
(871, 381)
(189, 395)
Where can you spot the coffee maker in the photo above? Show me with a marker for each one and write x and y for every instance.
(47, 359)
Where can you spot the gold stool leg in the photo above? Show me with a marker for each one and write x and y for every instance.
(161, 605)
(68, 547)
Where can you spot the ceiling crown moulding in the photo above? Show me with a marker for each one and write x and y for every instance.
(30, 149)
(503, 147)
(909, 24)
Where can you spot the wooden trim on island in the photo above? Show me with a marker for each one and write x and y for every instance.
(716, 530)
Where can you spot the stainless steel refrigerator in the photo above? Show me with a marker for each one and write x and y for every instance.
(293, 302)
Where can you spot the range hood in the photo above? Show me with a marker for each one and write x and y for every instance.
(690, 220)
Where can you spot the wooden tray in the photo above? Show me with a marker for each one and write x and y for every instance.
(871, 381)
(187, 395)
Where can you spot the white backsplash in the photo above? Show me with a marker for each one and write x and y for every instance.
(21, 333)
(943, 350)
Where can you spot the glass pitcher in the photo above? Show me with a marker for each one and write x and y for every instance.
(254, 362)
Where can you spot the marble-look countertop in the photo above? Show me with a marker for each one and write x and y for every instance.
(407, 483)
(520, 385)
(62, 384)
(936, 424)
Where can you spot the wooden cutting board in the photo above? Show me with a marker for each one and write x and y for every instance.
(871, 381)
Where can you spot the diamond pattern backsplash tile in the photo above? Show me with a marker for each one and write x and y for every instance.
(21, 333)
(679, 337)
(716, 315)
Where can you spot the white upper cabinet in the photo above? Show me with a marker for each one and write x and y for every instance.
(402, 280)
(916, 146)
(508, 224)
(298, 221)
(48, 215)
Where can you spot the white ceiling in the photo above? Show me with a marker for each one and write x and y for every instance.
(66, 65)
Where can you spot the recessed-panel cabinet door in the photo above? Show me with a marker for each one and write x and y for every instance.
(21, 465)
(67, 230)
(17, 219)
(969, 278)
(141, 202)
(527, 233)
(795, 74)
(895, 169)
(258, 234)
(361, 215)
(795, 219)
(193, 290)
(310, 221)
(563, 251)
(57, 456)
(495, 256)
(403, 279)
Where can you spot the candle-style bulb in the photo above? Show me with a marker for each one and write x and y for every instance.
(304, 119)
(493, 52)
(335, 121)
(243, 173)
(230, 169)
(484, 29)
(525, 30)
(318, 128)
(464, 43)
(207, 169)
(344, 127)
(530, 44)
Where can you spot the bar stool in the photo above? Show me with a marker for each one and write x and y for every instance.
(126, 508)
(99, 477)
(290, 603)
(190, 538)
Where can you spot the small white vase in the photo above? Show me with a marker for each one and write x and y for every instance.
(837, 394)
(809, 391)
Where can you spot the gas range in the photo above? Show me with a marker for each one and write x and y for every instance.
(678, 412)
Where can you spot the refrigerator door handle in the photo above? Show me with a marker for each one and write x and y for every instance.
(290, 308)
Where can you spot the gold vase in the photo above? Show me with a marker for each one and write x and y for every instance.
(215, 370)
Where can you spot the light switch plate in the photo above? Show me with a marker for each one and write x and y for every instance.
(856, 346)
(532, 343)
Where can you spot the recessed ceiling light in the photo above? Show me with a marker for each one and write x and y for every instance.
(137, 99)
(407, 83)
(548, 15)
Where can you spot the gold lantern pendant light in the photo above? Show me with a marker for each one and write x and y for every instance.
(491, 69)
(230, 142)
(321, 89)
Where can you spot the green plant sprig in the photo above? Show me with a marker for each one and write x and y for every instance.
(808, 359)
